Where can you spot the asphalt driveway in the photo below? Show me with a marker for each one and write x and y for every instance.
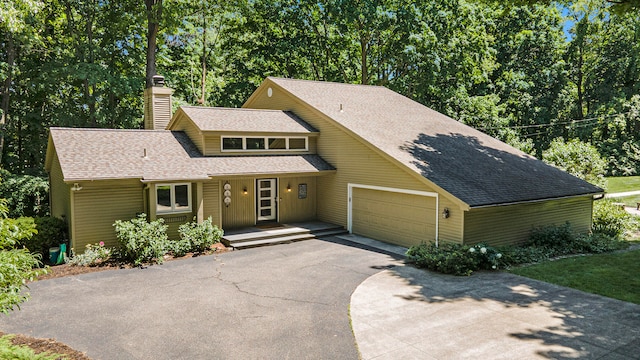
(281, 302)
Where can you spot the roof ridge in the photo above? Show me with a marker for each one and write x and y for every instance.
(232, 109)
(57, 128)
(329, 82)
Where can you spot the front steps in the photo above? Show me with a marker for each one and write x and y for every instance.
(280, 234)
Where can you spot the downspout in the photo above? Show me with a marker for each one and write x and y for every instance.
(437, 217)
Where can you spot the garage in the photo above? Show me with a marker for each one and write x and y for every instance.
(397, 216)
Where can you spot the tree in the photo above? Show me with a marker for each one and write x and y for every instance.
(577, 158)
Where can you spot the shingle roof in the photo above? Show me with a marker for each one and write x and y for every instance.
(470, 165)
(246, 120)
(93, 154)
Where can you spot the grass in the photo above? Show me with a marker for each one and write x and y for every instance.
(623, 183)
(628, 200)
(611, 275)
(23, 352)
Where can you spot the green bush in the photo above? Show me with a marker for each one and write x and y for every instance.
(198, 237)
(597, 243)
(94, 254)
(142, 241)
(556, 238)
(610, 219)
(51, 232)
(447, 258)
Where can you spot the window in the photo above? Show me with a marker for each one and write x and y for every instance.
(173, 198)
(264, 143)
(232, 143)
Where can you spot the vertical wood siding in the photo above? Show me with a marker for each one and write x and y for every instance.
(211, 199)
(241, 211)
(355, 163)
(512, 224)
(98, 205)
(293, 209)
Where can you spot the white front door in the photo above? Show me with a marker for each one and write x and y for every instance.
(266, 198)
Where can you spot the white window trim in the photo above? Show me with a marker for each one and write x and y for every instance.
(266, 143)
(172, 195)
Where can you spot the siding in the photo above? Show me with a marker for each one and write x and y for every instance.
(98, 205)
(293, 209)
(182, 123)
(211, 199)
(241, 211)
(59, 193)
(512, 224)
(355, 163)
(157, 107)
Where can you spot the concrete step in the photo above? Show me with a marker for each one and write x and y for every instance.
(330, 232)
(270, 241)
(264, 235)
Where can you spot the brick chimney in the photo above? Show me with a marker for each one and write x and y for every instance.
(157, 105)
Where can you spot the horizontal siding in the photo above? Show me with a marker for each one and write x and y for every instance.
(355, 163)
(512, 224)
(293, 209)
(98, 205)
(59, 193)
(189, 128)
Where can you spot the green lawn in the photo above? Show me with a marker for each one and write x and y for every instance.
(628, 200)
(611, 275)
(623, 183)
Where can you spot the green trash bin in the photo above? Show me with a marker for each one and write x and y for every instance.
(54, 252)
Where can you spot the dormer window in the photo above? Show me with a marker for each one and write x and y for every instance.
(257, 143)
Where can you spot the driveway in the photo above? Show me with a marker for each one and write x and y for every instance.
(407, 313)
(280, 302)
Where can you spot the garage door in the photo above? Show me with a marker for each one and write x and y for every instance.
(394, 217)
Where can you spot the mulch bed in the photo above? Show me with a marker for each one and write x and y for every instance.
(51, 345)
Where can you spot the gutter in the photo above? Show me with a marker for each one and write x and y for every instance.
(601, 195)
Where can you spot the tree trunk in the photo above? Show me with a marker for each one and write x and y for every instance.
(154, 12)
(6, 86)
(203, 79)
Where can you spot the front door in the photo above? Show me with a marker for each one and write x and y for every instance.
(266, 198)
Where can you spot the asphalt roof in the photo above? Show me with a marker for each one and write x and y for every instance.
(246, 120)
(472, 166)
(93, 154)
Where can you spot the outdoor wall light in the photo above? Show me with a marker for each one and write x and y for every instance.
(445, 213)
(288, 187)
(244, 190)
(76, 187)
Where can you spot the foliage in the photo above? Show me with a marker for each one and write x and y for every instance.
(196, 237)
(23, 352)
(610, 219)
(51, 232)
(142, 241)
(26, 195)
(94, 254)
(544, 243)
(16, 264)
(577, 158)
(455, 259)
(604, 274)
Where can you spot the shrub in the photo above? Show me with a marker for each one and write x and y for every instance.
(447, 258)
(51, 232)
(199, 237)
(94, 254)
(556, 238)
(142, 241)
(610, 219)
(597, 243)
(487, 257)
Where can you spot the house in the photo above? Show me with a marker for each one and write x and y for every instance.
(362, 157)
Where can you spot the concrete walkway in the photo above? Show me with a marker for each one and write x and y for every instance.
(408, 313)
(622, 194)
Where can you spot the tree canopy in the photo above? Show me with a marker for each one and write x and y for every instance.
(526, 72)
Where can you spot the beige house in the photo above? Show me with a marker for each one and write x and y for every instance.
(362, 157)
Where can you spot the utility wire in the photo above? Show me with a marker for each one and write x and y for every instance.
(554, 124)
